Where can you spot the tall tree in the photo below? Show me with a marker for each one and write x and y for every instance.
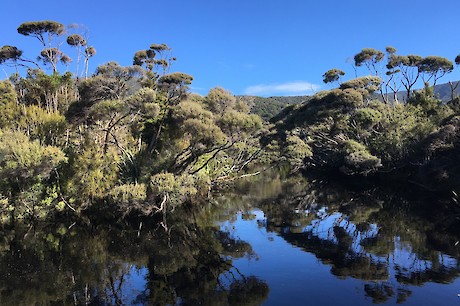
(45, 31)
(77, 41)
(89, 52)
(370, 58)
(333, 75)
(13, 54)
(391, 80)
(436, 67)
(408, 66)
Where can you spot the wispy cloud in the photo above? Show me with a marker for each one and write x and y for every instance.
(282, 89)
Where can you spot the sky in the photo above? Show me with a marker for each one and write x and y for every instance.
(253, 47)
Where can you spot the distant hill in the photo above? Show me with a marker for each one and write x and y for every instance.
(271, 106)
(443, 91)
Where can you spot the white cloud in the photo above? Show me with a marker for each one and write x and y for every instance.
(283, 89)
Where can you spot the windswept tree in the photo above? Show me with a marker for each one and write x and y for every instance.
(333, 75)
(11, 54)
(435, 67)
(77, 41)
(369, 57)
(391, 80)
(408, 66)
(45, 31)
(173, 87)
(89, 52)
(157, 56)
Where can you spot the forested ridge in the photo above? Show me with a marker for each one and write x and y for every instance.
(133, 141)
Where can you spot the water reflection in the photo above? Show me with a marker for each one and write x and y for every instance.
(381, 241)
(189, 264)
(378, 236)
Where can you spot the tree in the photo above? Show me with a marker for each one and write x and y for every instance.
(333, 75)
(158, 55)
(436, 67)
(408, 66)
(89, 52)
(9, 108)
(391, 80)
(13, 54)
(45, 31)
(370, 58)
(77, 41)
(9, 53)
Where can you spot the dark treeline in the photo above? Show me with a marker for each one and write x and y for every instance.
(130, 141)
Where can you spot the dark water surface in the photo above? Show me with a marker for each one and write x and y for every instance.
(278, 242)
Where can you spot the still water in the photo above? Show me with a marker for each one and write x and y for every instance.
(283, 242)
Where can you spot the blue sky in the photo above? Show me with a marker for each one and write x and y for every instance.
(249, 47)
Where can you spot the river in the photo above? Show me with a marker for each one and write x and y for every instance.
(277, 242)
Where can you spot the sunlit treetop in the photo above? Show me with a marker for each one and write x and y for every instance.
(159, 47)
(403, 60)
(142, 56)
(332, 75)
(457, 60)
(39, 28)
(76, 40)
(436, 63)
(9, 53)
(90, 51)
(390, 50)
(177, 78)
(365, 85)
(368, 55)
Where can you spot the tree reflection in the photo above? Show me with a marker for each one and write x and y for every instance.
(189, 264)
(369, 234)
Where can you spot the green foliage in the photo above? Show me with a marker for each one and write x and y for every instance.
(128, 195)
(365, 85)
(9, 109)
(76, 40)
(402, 128)
(219, 100)
(233, 122)
(297, 150)
(25, 159)
(176, 78)
(47, 127)
(191, 110)
(40, 28)
(368, 55)
(9, 53)
(203, 133)
(94, 175)
(105, 109)
(332, 75)
(172, 188)
(435, 66)
(367, 117)
(357, 159)
(425, 98)
(48, 91)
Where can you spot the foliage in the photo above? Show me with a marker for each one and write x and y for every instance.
(332, 75)
(9, 109)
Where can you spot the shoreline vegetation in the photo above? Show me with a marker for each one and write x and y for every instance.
(133, 141)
